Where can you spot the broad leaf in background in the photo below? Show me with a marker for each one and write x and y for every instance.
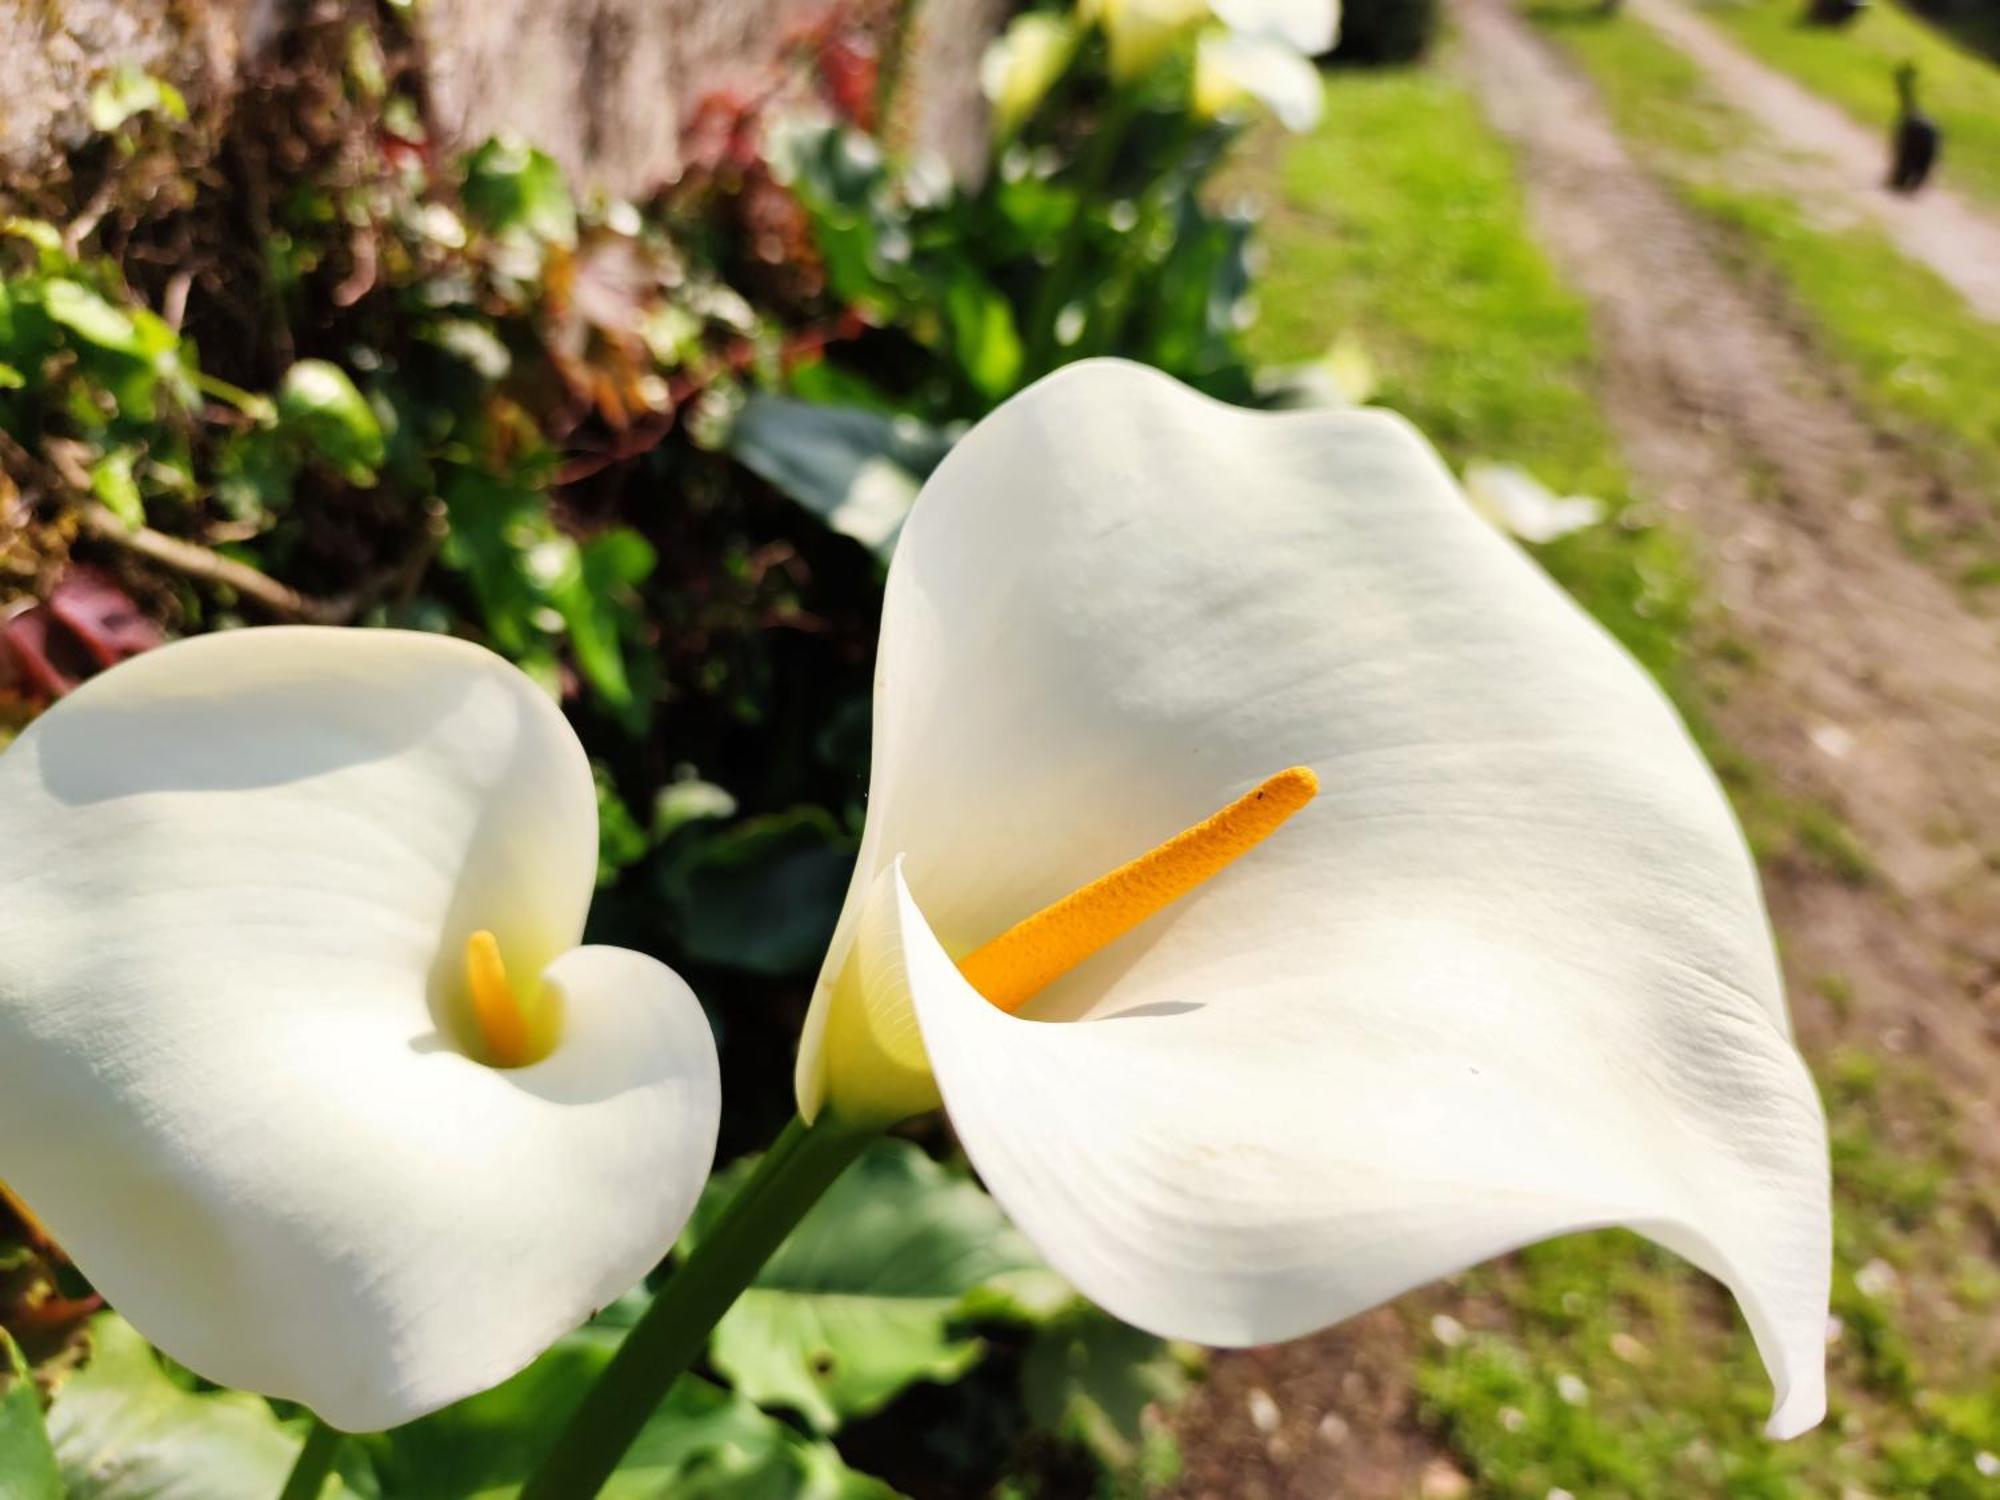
(857, 470)
(599, 603)
(866, 1296)
(27, 1462)
(130, 91)
(125, 1429)
(535, 583)
(761, 895)
(519, 195)
(1090, 1379)
(318, 403)
(704, 1443)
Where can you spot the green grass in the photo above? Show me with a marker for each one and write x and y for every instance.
(1400, 222)
(1854, 67)
(1664, 1398)
(1921, 358)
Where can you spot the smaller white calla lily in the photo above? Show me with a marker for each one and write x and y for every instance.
(1235, 72)
(1520, 504)
(1022, 64)
(1307, 26)
(1472, 954)
(1140, 33)
(300, 1059)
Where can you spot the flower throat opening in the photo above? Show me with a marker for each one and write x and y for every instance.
(1034, 953)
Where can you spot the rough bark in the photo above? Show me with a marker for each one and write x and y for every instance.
(603, 85)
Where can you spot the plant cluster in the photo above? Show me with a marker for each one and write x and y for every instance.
(333, 374)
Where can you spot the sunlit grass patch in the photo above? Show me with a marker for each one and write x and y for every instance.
(1617, 1370)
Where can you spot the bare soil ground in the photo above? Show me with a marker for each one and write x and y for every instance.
(1860, 679)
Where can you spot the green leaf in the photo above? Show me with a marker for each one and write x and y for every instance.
(130, 91)
(857, 470)
(500, 527)
(760, 895)
(983, 336)
(511, 189)
(621, 842)
(91, 319)
(864, 1298)
(254, 472)
(600, 608)
(27, 1461)
(1090, 1378)
(11, 379)
(319, 404)
(112, 482)
(704, 1443)
(123, 1429)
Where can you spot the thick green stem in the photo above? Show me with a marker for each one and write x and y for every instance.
(314, 1463)
(1054, 294)
(788, 1181)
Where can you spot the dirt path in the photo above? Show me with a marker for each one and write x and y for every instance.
(1874, 688)
(1869, 688)
(1843, 161)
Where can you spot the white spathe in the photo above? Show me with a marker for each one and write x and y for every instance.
(1517, 502)
(1509, 976)
(236, 879)
(1308, 26)
(1021, 65)
(1234, 71)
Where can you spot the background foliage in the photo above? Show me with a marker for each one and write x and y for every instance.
(296, 362)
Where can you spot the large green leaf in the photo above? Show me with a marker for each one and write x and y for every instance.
(1089, 1378)
(319, 403)
(704, 1443)
(865, 1296)
(761, 895)
(513, 190)
(857, 470)
(124, 1429)
(27, 1462)
(598, 602)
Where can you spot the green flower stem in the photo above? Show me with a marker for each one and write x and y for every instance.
(1054, 294)
(790, 1179)
(314, 1463)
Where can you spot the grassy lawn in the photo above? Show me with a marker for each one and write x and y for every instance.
(1920, 356)
(1854, 66)
(1399, 222)
(1597, 1364)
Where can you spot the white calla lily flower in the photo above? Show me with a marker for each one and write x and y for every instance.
(1234, 72)
(263, 893)
(1022, 64)
(1308, 26)
(1517, 502)
(1507, 976)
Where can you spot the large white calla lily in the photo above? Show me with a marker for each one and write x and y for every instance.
(1508, 976)
(261, 894)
